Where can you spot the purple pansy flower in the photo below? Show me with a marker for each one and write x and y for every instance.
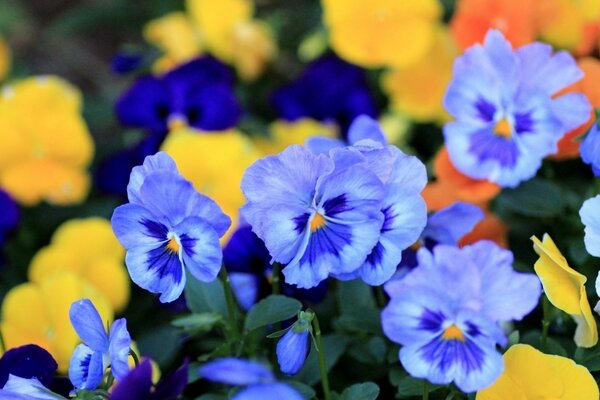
(507, 115)
(259, 381)
(445, 313)
(329, 89)
(99, 349)
(167, 228)
(590, 217)
(137, 384)
(590, 149)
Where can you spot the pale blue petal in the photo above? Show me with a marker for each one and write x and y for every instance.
(365, 128)
(135, 225)
(200, 248)
(573, 110)
(278, 391)
(236, 371)
(323, 145)
(590, 149)
(89, 326)
(292, 350)
(450, 224)
(120, 343)
(17, 388)
(245, 287)
(86, 368)
(590, 217)
(158, 162)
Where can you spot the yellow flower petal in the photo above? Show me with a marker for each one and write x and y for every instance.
(565, 289)
(284, 134)
(5, 59)
(530, 374)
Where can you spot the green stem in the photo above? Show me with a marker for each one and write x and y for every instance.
(321, 356)
(2, 344)
(275, 278)
(136, 359)
(425, 389)
(231, 307)
(381, 300)
(545, 323)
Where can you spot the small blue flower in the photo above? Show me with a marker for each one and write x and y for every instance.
(9, 217)
(17, 388)
(29, 361)
(198, 94)
(329, 90)
(137, 384)
(590, 217)
(590, 149)
(292, 348)
(167, 228)
(445, 313)
(508, 117)
(99, 350)
(316, 220)
(260, 381)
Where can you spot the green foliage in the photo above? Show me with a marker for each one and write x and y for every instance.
(270, 310)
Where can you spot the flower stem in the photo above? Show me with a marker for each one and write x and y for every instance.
(545, 323)
(275, 278)
(321, 356)
(425, 389)
(136, 359)
(380, 294)
(231, 307)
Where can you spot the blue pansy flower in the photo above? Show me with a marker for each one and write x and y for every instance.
(259, 381)
(329, 90)
(590, 149)
(198, 94)
(446, 313)
(508, 115)
(29, 361)
(315, 220)
(403, 178)
(17, 388)
(590, 217)
(138, 385)
(99, 350)
(292, 348)
(9, 217)
(167, 228)
(248, 262)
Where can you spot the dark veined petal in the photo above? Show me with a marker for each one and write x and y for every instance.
(86, 368)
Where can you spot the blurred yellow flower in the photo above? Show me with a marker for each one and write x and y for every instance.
(214, 163)
(5, 59)
(39, 313)
(530, 374)
(285, 133)
(418, 90)
(88, 249)
(376, 33)
(42, 134)
(565, 288)
(562, 23)
(176, 36)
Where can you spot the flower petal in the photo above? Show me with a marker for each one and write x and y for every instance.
(88, 325)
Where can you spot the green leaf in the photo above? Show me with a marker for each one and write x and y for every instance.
(204, 297)
(197, 322)
(334, 346)
(161, 344)
(589, 358)
(355, 295)
(552, 346)
(272, 309)
(362, 320)
(407, 385)
(361, 391)
(306, 391)
(535, 198)
(373, 351)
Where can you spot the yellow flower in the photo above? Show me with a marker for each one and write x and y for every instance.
(42, 134)
(88, 249)
(214, 163)
(5, 58)
(375, 33)
(562, 23)
(284, 134)
(530, 374)
(418, 90)
(39, 313)
(176, 36)
(565, 288)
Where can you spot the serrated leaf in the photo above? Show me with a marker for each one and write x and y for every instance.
(361, 391)
(270, 310)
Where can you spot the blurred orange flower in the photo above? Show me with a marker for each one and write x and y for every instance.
(490, 228)
(473, 18)
(568, 147)
(563, 23)
(451, 186)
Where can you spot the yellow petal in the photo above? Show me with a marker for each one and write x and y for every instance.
(565, 288)
(5, 59)
(111, 279)
(284, 134)
(89, 237)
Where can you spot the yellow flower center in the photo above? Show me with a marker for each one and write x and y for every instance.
(453, 332)
(416, 246)
(176, 123)
(503, 128)
(173, 246)
(317, 222)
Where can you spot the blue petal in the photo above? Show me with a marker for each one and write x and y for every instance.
(200, 248)
(159, 162)
(323, 145)
(245, 287)
(120, 343)
(590, 217)
(136, 385)
(590, 149)
(146, 104)
(89, 326)
(135, 225)
(236, 371)
(573, 110)
(268, 391)
(450, 224)
(86, 368)
(245, 252)
(292, 350)
(365, 128)
(18, 388)
(29, 361)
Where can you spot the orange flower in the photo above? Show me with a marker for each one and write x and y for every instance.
(473, 18)
(490, 228)
(568, 147)
(451, 186)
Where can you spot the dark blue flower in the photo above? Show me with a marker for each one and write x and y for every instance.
(124, 62)
(29, 361)
(198, 94)
(328, 90)
(137, 384)
(9, 217)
